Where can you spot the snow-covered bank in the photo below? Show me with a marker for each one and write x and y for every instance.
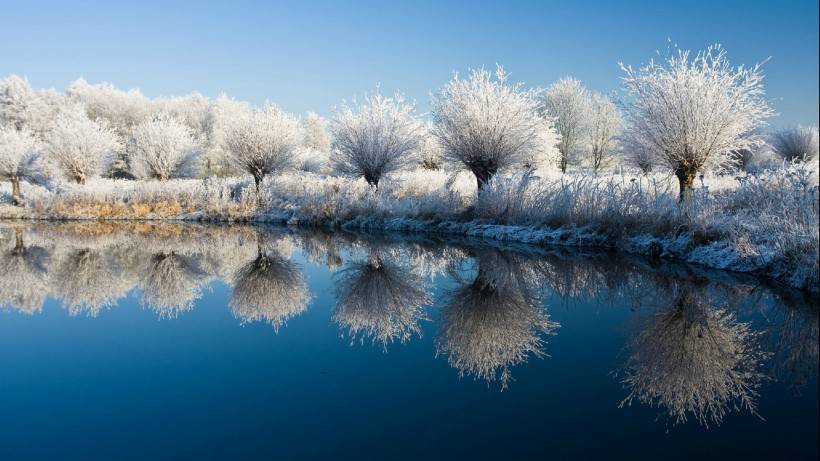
(765, 224)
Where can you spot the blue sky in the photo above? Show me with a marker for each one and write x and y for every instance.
(311, 55)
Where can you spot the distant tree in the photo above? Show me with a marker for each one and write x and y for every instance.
(692, 113)
(81, 148)
(20, 159)
(123, 110)
(567, 102)
(604, 124)
(262, 141)
(162, 148)
(314, 143)
(430, 151)
(22, 107)
(375, 137)
(222, 112)
(486, 125)
(192, 110)
(798, 143)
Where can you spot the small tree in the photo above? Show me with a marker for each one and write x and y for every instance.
(80, 147)
(567, 102)
(314, 143)
(798, 143)
(374, 138)
(693, 113)
(262, 141)
(603, 126)
(486, 125)
(19, 159)
(162, 148)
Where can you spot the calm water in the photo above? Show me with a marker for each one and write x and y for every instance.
(183, 341)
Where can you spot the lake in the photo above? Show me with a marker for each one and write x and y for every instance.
(169, 341)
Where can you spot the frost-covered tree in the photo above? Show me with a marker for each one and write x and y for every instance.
(693, 112)
(694, 359)
(603, 126)
(269, 289)
(380, 300)
(314, 152)
(162, 148)
(262, 141)
(123, 110)
(22, 107)
(378, 136)
(798, 143)
(80, 147)
(192, 110)
(20, 159)
(430, 151)
(567, 103)
(485, 124)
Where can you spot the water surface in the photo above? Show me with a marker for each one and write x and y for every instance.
(160, 341)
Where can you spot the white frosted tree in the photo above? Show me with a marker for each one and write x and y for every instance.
(485, 125)
(798, 143)
(262, 141)
(80, 147)
(376, 137)
(567, 103)
(20, 159)
(692, 113)
(162, 148)
(314, 152)
(223, 111)
(191, 110)
(22, 107)
(603, 126)
(430, 151)
(123, 110)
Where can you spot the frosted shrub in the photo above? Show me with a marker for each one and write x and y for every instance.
(603, 127)
(20, 159)
(162, 148)
(798, 143)
(262, 142)
(692, 113)
(486, 125)
(375, 137)
(80, 148)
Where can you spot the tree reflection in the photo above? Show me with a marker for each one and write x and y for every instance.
(694, 359)
(270, 288)
(381, 300)
(24, 282)
(171, 282)
(496, 321)
(88, 280)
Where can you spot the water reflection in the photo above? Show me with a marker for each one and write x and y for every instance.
(692, 352)
(495, 321)
(694, 359)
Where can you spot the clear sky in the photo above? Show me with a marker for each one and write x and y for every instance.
(310, 55)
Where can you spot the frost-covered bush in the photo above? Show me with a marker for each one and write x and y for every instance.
(378, 136)
(430, 152)
(692, 113)
(262, 142)
(798, 143)
(79, 147)
(567, 103)
(162, 148)
(486, 125)
(314, 152)
(20, 159)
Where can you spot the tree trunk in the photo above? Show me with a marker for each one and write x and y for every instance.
(15, 191)
(483, 176)
(686, 179)
(372, 180)
(257, 179)
(19, 248)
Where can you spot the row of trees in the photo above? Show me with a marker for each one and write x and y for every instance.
(686, 114)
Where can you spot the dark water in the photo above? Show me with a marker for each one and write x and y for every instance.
(182, 341)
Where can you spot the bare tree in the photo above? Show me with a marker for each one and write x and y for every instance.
(486, 125)
(381, 300)
(375, 137)
(262, 142)
(692, 113)
(567, 103)
(798, 143)
(162, 148)
(603, 126)
(20, 160)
